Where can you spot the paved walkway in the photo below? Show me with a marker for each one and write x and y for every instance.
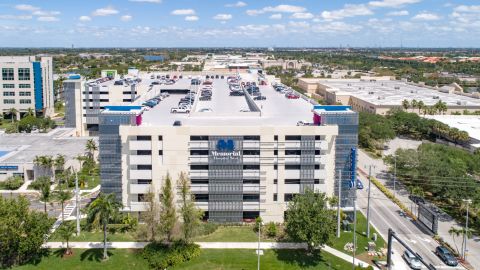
(209, 245)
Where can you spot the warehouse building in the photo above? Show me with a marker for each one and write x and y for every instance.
(381, 94)
(244, 157)
(26, 84)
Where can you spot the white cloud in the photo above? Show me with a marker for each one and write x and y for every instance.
(223, 17)
(276, 16)
(237, 4)
(276, 9)
(426, 16)
(348, 10)
(302, 15)
(15, 17)
(183, 12)
(84, 18)
(399, 13)
(392, 3)
(337, 28)
(126, 18)
(470, 9)
(106, 11)
(45, 13)
(302, 24)
(191, 18)
(26, 7)
(48, 19)
(147, 1)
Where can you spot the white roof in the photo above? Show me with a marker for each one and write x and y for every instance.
(468, 123)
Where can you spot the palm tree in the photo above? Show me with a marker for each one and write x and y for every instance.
(420, 106)
(454, 232)
(63, 196)
(13, 113)
(414, 104)
(59, 163)
(66, 231)
(405, 104)
(45, 193)
(30, 112)
(100, 211)
(91, 147)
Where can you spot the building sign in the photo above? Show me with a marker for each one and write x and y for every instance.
(428, 218)
(353, 168)
(8, 168)
(225, 150)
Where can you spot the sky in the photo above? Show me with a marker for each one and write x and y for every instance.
(246, 23)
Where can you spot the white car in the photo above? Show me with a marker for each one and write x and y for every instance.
(183, 109)
(244, 110)
(412, 260)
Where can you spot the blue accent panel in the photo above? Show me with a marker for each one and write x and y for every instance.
(8, 168)
(332, 108)
(122, 108)
(38, 85)
(353, 167)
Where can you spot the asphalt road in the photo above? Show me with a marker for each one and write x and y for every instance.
(384, 214)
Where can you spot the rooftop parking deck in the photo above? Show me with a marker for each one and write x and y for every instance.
(225, 109)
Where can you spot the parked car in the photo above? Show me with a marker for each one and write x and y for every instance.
(237, 93)
(446, 256)
(205, 98)
(412, 260)
(206, 110)
(177, 123)
(359, 184)
(244, 110)
(416, 199)
(183, 109)
(260, 98)
(292, 96)
(195, 82)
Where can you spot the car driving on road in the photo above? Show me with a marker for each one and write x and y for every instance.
(446, 256)
(412, 260)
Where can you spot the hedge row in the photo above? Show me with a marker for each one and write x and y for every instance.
(390, 195)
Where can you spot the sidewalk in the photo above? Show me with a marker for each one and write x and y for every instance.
(445, 222)
(208, 245)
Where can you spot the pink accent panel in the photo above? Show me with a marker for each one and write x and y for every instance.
(139, 120)
(317, 119)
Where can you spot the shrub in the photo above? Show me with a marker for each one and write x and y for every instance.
(271, 230)
(258, 222)
(12, 183)
(207, 228)
(161, 256)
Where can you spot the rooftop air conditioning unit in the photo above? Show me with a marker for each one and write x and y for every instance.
(436, 97)
(371, 93)
(397, 87)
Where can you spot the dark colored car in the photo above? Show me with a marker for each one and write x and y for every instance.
(446, 256)
(359, 184)
(260, 98)
(237, 93)
(177, 123)
(195, 82)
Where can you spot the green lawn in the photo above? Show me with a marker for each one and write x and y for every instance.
(231, 234)
(362, 240)
(97, 236)
(211, 259)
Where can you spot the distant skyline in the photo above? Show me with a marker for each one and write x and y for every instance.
(223, 23)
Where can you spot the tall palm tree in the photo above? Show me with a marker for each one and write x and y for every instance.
(13, 113)
(63, 196)
(91, 147)
(59, 162)
(420, 106)
(31, 112)
(66, 231)
(100, 211)
(414, 104)
(45, 193)
(405, 104)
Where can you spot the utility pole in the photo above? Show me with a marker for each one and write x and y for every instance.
(368, 201)
(465, 234)
(395, 177)
(77, 202)
(259, 234)
(354, 223)
(339, 201)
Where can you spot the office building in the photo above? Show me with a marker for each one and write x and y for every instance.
(26, 84)
(244, 157)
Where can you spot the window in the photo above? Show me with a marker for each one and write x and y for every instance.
(251, 167)
(201, 197)
(160, 152)
(275, 181)
(198, 138)
(251, 181)
(292, 181)
(9, 101)
(293, 138)
(127, 100)
(144, 138)
(317, 152)
(198, 152)
(198, 167)
(251, 138)
(275, 167)
(275, 197)
(24, 85)
(144, 167)
(8, 94)
(160, 138)
(23, 74)
(144, 152)
(141, 198)
(275, 137)
(292, 167)
(251, 152)
(288, 197)
(250, 214)
(7, 74)
(293, 152)
(275, 152)
(251, 197)
(8, 85)
(25, 101)
(317, 138)
(318, 181)
(319, 167)
(144, 181)
(199, 181)
(25, 94)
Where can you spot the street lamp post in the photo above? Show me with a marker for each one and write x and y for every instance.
(77, 203)
(339, 201)
(465, 233)
(368, 201)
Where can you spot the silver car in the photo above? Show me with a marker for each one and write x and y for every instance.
(412, 260)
